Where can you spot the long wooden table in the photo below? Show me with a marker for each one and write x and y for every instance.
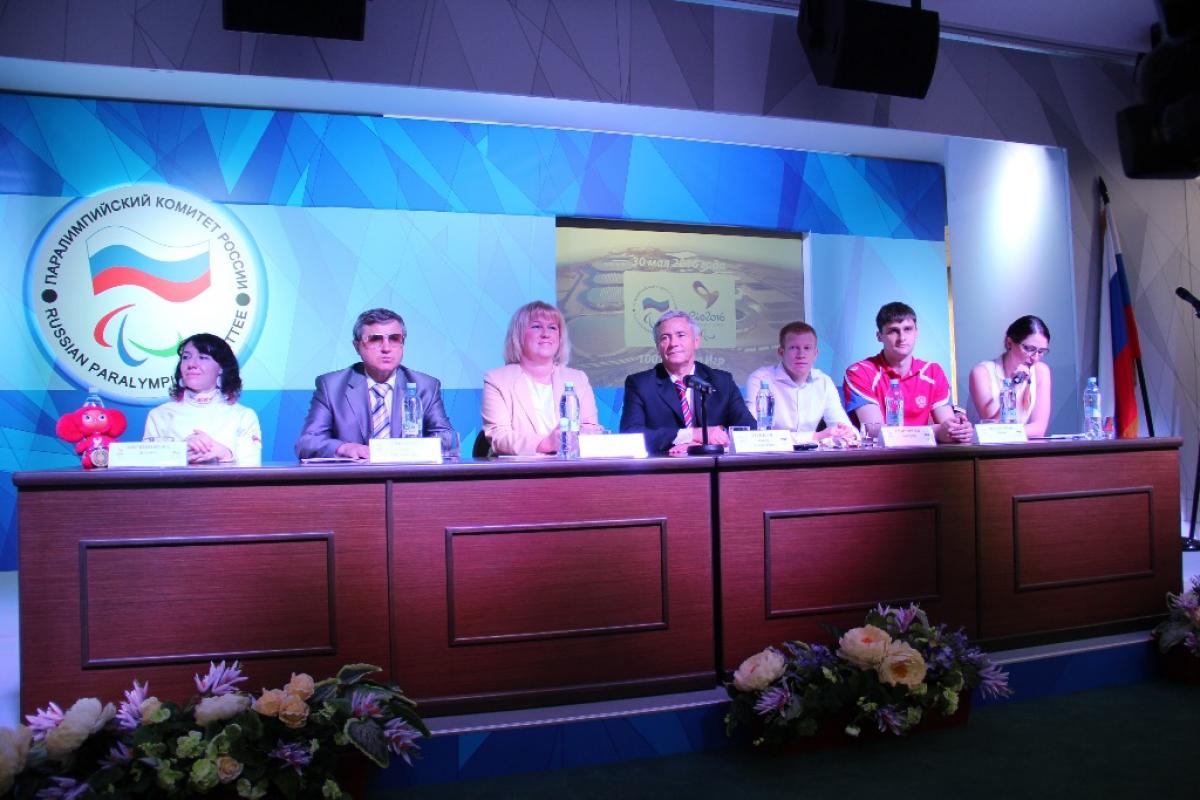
(497, 584)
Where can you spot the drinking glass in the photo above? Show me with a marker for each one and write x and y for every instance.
(871, 434)
(732, 430)
(451, 445)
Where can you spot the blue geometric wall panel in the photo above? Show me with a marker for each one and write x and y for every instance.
(70, 147)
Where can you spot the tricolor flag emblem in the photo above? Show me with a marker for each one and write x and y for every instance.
(1120, 349)
(119, 256)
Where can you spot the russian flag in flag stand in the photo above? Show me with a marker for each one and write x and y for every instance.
(1119, 347)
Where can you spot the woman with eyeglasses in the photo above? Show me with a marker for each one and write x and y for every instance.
(520, 399)
(1026, 343)
(204, 410)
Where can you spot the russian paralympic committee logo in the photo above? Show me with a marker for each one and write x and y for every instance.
(117, 280)
(650, 304)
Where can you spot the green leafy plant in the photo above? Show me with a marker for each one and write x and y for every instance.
(1182, 625)
(891, 673)
(286, 742)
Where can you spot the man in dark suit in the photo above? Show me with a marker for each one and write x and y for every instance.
(354, 405)
(659, 402)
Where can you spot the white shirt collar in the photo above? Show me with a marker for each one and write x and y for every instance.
(391, 381)
(678, 378)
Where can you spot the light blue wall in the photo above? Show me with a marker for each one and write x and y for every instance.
(1010, 243)
(853, 276)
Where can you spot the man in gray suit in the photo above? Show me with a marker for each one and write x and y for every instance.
(351, 406)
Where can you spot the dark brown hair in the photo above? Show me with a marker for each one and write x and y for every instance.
(230, 380)
(1025, 327)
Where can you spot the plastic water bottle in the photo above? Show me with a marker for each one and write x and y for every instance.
(764, 407)
(93, 398)
(893, 405)
(1008, 403)
(412, 416)
(568, 422)
(1093, 426)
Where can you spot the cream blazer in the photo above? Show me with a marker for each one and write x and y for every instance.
(510, 416)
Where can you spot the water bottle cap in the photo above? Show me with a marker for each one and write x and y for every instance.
(895, 382)
(568, 384)
(410, 385)
(765, 385)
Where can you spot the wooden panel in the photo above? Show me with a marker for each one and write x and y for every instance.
(854, 535)
(188, 592)
(902, 541)
(517, 584)
(536, 571)
(54, 522)
(1072, 542)
(606, 532)
(1054, 534)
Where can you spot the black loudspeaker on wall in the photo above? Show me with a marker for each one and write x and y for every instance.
(870, 47)
(1160, 137)
(328, 19)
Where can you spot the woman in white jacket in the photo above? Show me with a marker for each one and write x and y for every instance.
(204, 409)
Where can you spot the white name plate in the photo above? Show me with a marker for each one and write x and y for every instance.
(1001, 434)
(612, 445)
(427, 450)
(908, 436)
(147, 454)
(762, 441)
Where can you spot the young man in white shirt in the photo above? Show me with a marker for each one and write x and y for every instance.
(804, 395)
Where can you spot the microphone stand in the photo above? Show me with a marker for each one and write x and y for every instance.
(1189, 542)
(704, 449)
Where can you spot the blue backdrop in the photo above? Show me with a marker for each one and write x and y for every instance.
(452, 224)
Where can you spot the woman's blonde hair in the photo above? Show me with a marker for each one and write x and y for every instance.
(520, 321)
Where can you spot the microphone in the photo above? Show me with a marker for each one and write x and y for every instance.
(1019, 377)
(699, 384)
(1190, 298)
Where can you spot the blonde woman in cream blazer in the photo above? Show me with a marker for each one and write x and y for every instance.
(520, 399)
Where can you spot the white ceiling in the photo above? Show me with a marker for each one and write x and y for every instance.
(1115, 29)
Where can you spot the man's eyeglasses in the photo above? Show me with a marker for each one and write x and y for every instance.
(376, 340)
(1030, 350)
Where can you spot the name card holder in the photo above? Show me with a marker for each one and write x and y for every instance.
(1001, 434)
(612, 445)
(426, 450)
(147, 454)
(908, 436)
(771, 441)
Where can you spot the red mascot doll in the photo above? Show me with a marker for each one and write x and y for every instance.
(91, 428)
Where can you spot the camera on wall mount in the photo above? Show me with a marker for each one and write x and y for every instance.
(1160, 137)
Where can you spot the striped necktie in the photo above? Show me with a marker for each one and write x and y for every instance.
(684, 404)
(381, 420)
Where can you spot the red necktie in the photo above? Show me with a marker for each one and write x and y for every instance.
(687, 408)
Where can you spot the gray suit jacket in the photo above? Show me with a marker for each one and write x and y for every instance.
(340, 411)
